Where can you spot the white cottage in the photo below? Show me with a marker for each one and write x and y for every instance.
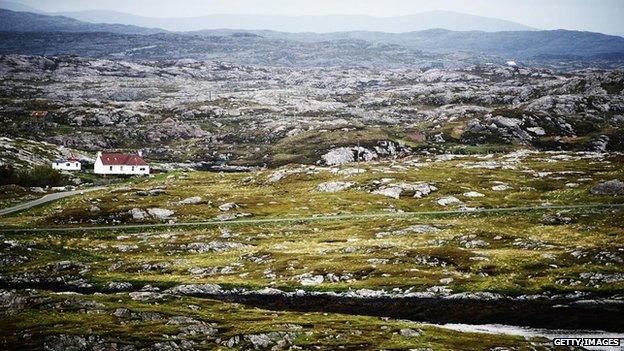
(72, 164)
(120, 164)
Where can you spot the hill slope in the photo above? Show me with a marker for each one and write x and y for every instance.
(12, 21)
(16, 6)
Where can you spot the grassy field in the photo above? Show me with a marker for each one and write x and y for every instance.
(513, 254)
(510, 254)
(527, 180)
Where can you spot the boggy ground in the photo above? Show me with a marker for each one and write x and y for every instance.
(510, 253)
(425, 183)
(575, 254)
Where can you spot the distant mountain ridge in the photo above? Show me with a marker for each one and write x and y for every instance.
(522, 44)
(19, 7)
(140, 42)
(316, 24)
(13, 21)
(295, 24)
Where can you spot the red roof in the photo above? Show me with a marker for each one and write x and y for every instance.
(38, 114)
(122, 160)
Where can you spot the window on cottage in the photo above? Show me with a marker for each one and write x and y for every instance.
(111, 168)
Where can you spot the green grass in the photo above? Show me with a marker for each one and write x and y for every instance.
(295, 194)
(522, 254)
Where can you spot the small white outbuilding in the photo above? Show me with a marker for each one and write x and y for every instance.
(72, 164)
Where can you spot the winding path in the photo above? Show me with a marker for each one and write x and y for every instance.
(45, 199)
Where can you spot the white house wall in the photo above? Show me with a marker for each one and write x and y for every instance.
(99, 168)
(66, 166)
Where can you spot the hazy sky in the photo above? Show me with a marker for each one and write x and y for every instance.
(605, 16)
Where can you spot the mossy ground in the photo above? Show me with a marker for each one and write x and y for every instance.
(511, 253)
(518, 254)
(534, 180)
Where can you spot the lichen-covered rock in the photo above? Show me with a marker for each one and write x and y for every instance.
(383, 149)
(421, 189)
(473, 194)
(160, 213)
(475, 244)
(310, 279)
(501, 187)
(348, 171)
(602, 278)
(13, 300)
(611, 188)
(600, 143)
(410, 333)
(283, 173)
(392, 191)
(65, 342)
(214, 246)
(196, 290)
(119, 286)
(191, 201)
(333, 187)
(448, 200)
(146, 296)
(344, 155)
(137, 213)
(127, 248)
(396, 190)
(414, 229)
(556, 219)
(228, 206)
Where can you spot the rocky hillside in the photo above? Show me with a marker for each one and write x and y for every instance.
(213, 113)
(25, 153)
(240, 48)
(421, 50)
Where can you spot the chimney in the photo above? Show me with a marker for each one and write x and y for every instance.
(99, 154)
(140, 153)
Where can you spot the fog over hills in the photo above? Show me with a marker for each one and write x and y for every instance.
(297, 49)
(318, 24)
(15, 6)
(295, 24)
